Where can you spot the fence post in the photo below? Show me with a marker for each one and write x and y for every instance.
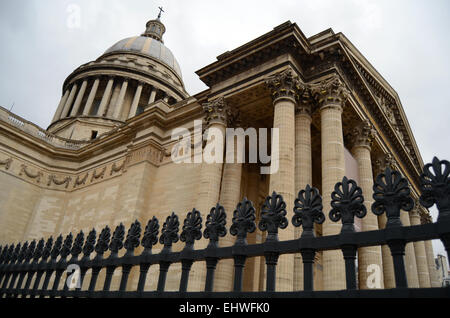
(391, 193)
(150, 238)
(307, 211)
(169, 235)
(214, 228)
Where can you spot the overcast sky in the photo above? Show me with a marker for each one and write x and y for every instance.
(43, 41)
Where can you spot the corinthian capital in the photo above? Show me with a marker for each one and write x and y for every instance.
(217, 111)
(284, 85)
(304, 105)
(384, 161)
(330, 91)
(363, 135)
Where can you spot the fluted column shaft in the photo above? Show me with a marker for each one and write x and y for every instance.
(119, 104)
(136, 99)
(410, 256)
(69, 101)
(106, 96)
(331, 95)
(362, 137)
(61, 104)
(303, 172)
(210, 179)
(284, 93)
(77, 104)
(90, 100)
(421, 256)
(229, 197)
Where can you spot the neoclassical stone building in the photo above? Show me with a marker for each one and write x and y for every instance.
(106, 156)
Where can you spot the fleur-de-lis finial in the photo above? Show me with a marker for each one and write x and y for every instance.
(391, 193)
(15, 254)
(308, 210)
(133, 236)
(89, 245)
(22, 253)
(192, 228)
(47, 249)
(170, 232)
(103, 241)
(243, 221)
(38, 251)
(150, 235)
(435, 186)
(117, 240)
(215, 225)
(56, 247)
(273, 216)
(347, 202)
(67, 246)
(30, 251)
(77, 246)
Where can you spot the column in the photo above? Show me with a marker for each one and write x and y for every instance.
(119, 104)
(230, 193)
(362, 137)
(331, 95)
(61, 106)
(410, 256)
(105, 98)
(152, 95)
(80, 95)
(92, 93)
(303, 167)
(284, 89)
(381, 163)
(136, 98)
(210, 180)
(434, 281)
(69, 101)
(419, 250)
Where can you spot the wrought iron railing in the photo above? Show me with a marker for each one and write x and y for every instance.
(22, 264)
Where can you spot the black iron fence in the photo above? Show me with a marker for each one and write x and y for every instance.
(24, 264)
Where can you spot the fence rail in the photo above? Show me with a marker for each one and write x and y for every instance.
(21, 263)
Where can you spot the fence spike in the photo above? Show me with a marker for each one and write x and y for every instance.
(347, 202)
(243, 221)
(39, 250)
(391, 193)
(273, 216)
(30, 251)
(77, 246)
(117, 239)
(133, 237)
(215, 225)
(56, 247)
(103, 241)
(308, 210)
(89, 245)
(435, 186)
(22, 253)
(192, 228)
(151, 234)
(67, 246)
(169, 233)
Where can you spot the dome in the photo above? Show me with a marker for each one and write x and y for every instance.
(148, 46)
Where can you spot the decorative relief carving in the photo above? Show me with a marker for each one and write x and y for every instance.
(6, 163)
(304, 104)
(115, 168)
(81, 181)
(96, 175)
(149, 153)
(38, 175)
(52, 178)
(385, 161)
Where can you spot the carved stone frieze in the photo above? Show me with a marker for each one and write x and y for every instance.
(6, 163)
(55, 180)
(99, 175)
(32, 175)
